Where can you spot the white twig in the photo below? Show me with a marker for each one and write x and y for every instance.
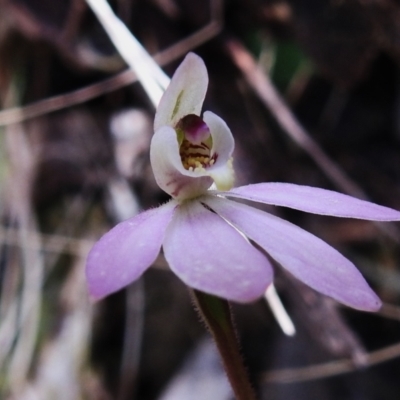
(280, 314)
(151, 76)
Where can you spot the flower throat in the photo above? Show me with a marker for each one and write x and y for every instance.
(195, 143)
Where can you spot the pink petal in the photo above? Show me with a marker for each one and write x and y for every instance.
(185, 94)
(314, 200)
(126, 251)
(211, 256)
(307, 257)
(168, 170)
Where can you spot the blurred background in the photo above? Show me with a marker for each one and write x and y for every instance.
(311, 92)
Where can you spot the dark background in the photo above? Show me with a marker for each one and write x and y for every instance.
(72, 166)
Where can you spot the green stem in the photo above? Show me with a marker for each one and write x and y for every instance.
(216, 314)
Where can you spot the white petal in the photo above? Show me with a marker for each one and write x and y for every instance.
(223, 142)
(223, 145)
(223, 176)
(185, 94)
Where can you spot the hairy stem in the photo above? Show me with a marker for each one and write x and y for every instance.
(216, 314)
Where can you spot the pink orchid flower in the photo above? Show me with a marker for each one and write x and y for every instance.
(204, 232)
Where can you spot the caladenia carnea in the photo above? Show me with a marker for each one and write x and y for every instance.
(201, 229)
(205, 232)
